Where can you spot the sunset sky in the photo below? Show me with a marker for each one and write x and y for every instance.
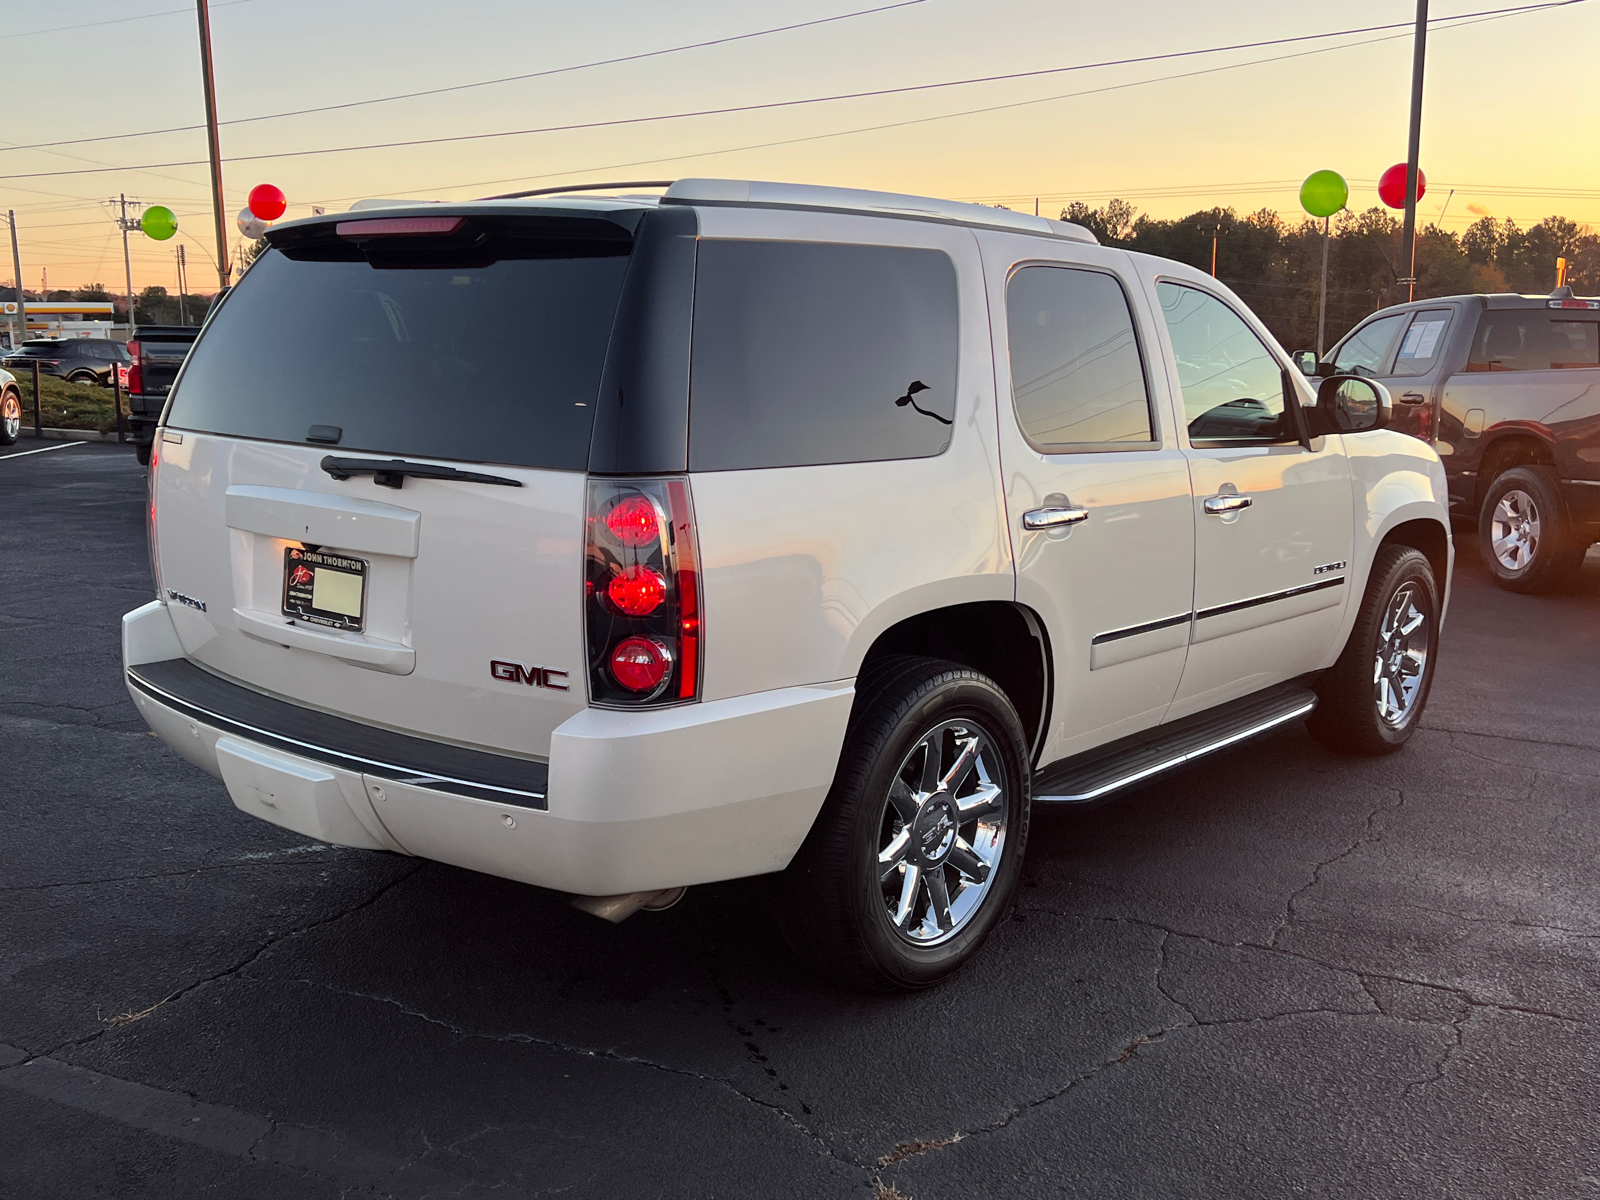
(1509, 122)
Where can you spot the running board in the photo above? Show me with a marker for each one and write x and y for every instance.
(1090, 776)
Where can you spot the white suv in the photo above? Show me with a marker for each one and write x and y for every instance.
(622, 544)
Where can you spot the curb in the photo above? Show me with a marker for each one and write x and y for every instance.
(67, 435)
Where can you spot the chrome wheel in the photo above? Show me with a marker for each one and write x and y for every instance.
(1402, 656)
(942, 833)
(11, 415)
(1514, 530)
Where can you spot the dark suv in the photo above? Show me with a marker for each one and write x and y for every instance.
(1507, 389)
(77, 360)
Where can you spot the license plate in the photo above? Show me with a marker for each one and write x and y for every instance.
(324, 589)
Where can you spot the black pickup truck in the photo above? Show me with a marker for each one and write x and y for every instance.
(157, 351)
(1507, 389)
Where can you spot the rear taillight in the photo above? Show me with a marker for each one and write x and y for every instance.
(136, 379)
(642, 593)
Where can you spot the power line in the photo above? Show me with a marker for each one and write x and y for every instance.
(170, 12)
(462, 87)
(1492, 16)
(903, 90)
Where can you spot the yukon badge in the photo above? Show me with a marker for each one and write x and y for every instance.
(514, 672)
(190, 601)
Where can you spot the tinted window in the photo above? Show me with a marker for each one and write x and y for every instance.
(1423, 342)
(807, 353)
(1076, 374)
(1364, 351)
(487, 361)
(1233, 388)
(1574, 343)
(1533, 340)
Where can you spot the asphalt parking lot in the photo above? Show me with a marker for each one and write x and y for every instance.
(1280, 973)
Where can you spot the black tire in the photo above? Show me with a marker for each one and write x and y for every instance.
(84, 377)
(142, 453)
(10, 416)
(833, 901)
(1349, 716)
(1532, 496)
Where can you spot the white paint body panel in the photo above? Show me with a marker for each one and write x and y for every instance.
(1130, 563)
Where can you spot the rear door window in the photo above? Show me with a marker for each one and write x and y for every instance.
(1364, 351)
(1423, 342)
(1574, 344)
(487, 348)
(1520, 339)
(808, 352)
(1077, 377)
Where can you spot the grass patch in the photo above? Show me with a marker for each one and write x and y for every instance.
(64, 405)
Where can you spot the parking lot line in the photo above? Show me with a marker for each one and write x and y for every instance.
(43, 449)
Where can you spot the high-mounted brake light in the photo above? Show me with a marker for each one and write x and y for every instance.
(399, 227)
(1575, 304)
(642, 593)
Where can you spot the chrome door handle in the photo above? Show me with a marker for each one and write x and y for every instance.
(1053, 518)
(1412, 398)
(1217, 506)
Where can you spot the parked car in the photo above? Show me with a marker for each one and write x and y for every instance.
(155, 356)
(1507, 389)
(77, 360)
(10, 409)
(618, 545)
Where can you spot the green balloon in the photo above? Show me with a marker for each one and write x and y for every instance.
(1324, 193)
(159, 222)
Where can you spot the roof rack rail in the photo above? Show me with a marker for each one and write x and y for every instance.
(809, 196)
(583, 187)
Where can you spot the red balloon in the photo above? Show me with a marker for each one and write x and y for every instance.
(1392, 186)
(268, 203)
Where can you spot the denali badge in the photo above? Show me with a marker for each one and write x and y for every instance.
(189, 600)
(1326, 567)
(545, 677)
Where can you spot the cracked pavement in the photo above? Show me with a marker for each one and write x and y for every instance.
(1278, 973)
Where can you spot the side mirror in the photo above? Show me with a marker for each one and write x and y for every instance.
(1349, 404)
(1306, 360)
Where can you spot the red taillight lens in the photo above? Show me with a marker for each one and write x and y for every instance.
(135, 380)
(640, 664)
(638, 591)
(642, 593)
(150, 528)
(634, 521)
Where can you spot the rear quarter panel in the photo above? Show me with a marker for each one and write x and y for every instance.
(805, 566)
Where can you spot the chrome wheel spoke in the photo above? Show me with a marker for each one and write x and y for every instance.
(909, 884)
(987, 801)
(892, 855)
(965, 859)
(966, 757)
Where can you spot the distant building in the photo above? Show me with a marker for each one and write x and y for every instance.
(63, 319)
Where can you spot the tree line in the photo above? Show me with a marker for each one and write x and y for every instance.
(1275, 265)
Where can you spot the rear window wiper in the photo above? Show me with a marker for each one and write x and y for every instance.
(392, 472)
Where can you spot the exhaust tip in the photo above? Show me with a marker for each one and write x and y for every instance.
(619, 908)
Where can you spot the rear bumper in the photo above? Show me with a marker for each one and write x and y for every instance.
(631, 801)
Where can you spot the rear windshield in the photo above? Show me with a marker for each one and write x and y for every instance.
(485, 350)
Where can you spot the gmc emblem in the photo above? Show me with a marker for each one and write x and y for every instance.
(545, 677)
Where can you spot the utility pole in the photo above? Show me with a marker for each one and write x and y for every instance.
(16, 265)
(1213, 233)
(218, 203)
(183, 285)
(1408, 237)
(127, 227)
